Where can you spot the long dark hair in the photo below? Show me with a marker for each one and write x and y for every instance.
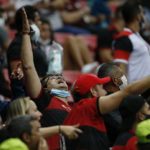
(44, 21)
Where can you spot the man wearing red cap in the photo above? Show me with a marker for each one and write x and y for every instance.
(92, 104)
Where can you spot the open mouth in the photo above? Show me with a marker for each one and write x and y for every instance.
(60, 81)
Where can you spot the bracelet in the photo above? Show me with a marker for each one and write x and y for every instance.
(59, 129)
(27, 32)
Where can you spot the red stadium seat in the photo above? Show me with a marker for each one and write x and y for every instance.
(61, 37)
(2, 2)
(70, 76)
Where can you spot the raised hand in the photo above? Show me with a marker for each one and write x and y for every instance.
(72, 132)
(17, 73)
(25, 23)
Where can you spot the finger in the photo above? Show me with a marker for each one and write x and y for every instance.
(78, 130)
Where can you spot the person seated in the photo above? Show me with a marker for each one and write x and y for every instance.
(75, 51)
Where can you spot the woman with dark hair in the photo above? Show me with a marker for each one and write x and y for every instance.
(76, 52)
(133, 109)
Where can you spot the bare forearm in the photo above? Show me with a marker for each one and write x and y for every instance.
(32, 81)
(106, 55)
(72, 17)
(111, 102)
(49, 131)
(26, 52)
(138, 86)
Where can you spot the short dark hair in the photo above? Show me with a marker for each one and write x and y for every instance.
(44, 82)
(107, 69)
(130, 10)
(30, 11)
(20, 125)
(128, 108)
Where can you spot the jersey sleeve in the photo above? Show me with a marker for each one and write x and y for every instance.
(42, 100)
(122, 49)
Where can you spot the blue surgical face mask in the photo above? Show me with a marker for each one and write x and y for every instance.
(60, 93)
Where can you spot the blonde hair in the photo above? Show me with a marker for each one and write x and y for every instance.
(19, 106)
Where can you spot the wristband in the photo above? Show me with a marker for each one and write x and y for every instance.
(27, 32)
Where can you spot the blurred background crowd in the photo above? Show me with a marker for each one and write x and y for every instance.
(71, 38)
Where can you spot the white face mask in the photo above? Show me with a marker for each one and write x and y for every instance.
(44, 42)
(36, 34)
(124, 82)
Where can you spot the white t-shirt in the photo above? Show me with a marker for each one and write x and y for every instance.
(130, 48)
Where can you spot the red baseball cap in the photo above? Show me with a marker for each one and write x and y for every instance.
(87, 81)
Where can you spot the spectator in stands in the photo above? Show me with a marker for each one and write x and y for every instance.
(92, 104)
(27, 129)
(23, 106)
(118, 81)
(83, 88)
(143, 133)
(133, 109)
(13, 53)
(106, 36)
(130, 49)
(50, 96)
(76, 52)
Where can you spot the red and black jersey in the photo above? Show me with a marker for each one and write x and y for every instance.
(87, 114)
(54, 112)
(126, 141)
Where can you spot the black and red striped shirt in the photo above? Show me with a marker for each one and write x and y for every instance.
(87, 114)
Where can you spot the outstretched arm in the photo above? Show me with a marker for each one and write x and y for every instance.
(111, 102)
(32, 81)
(69, 131)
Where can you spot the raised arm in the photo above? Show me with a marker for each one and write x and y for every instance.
(111, 102)
(32, 81)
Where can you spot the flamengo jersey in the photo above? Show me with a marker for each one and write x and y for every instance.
(130, 48)
(86, 113)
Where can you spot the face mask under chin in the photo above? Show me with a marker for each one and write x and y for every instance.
(124, 82)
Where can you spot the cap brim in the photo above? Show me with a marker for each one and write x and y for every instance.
(104, 80)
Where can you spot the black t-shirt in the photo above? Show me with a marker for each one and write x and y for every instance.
(40, 60)
(105, 39)
(126, 141)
